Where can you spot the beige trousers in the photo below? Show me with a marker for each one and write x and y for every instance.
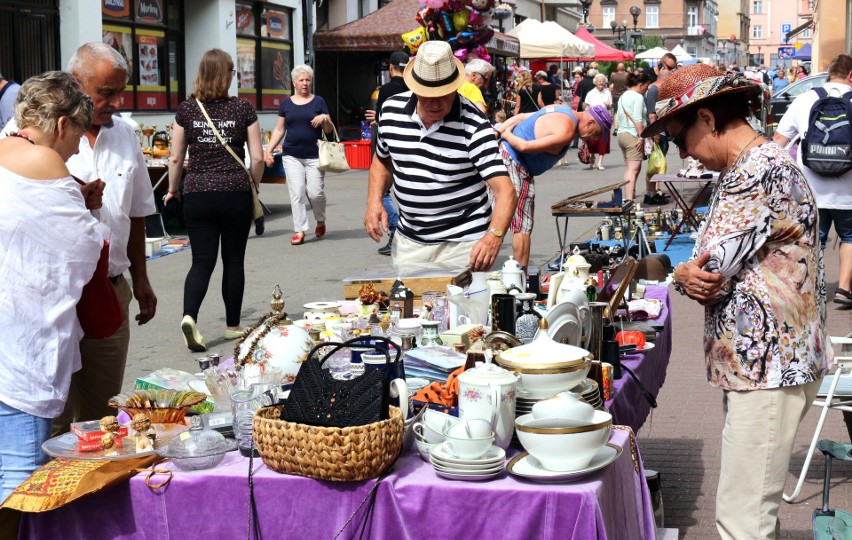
(757, 442)
(455, 254)
(102, 373)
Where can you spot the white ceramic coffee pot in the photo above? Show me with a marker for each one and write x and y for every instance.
(513, 276)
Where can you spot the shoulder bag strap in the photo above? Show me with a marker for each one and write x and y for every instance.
(221, 140)
(627, 114)
(334, 129)
(527, 90)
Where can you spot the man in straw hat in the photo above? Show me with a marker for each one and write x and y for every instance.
(439, 153)
(757, 270)
(531, 144)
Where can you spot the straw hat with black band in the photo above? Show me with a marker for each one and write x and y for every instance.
(690, 87)
(434, 72)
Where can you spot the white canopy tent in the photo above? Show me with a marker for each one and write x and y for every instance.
(681, 54)
(652, 54)
(549, 40)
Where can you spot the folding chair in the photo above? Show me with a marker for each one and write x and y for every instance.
(834, 393)
(832, 524)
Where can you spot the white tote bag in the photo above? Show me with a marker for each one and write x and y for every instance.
(332, 154)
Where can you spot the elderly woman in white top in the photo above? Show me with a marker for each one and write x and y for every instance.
(599, 95)
(50, 246)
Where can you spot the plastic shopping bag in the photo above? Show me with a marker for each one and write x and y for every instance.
(656, 162)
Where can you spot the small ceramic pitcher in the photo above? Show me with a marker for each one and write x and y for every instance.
(487, 391)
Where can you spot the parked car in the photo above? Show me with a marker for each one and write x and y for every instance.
(782, 98)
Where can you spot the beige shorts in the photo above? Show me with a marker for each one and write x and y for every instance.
(628, 143)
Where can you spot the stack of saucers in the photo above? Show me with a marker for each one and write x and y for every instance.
(489, 465)
(588, 389)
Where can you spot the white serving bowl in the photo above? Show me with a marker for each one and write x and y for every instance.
(438, 423)
(541, 381)
(557, 445)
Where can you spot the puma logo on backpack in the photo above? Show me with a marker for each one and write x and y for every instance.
(827, 144)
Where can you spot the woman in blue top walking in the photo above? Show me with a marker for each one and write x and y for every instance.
(301, 121)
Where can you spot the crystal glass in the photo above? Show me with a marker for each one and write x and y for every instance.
(244, 402)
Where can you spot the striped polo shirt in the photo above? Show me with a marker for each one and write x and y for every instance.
(440, 173)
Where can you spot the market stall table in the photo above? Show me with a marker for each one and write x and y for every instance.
(411, 502)
(688, 208)
(628, 405)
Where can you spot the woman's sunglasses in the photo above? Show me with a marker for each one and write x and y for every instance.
(678, 140)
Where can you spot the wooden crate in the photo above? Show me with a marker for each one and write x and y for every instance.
(418, 278)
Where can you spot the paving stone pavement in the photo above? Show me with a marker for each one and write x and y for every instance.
(680, 439)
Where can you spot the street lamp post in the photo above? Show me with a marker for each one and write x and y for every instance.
(733, 40)
(636, 35)
(663, 37)
(618, 32)
(586, 5)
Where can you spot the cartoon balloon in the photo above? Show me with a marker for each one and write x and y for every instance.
(436, 5)
(484, 35)
(460, 19)
(423, 15)
(414, 39)
(481, 5)
(447, 24)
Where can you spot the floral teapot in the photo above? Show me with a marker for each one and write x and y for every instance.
(576, 274)
(487, 392)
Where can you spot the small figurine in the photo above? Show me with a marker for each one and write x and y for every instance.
(144, 433)
(108, 444)
(109, 424)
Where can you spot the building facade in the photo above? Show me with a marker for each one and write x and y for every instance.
(771, 21)
(163, 41)
(690, 23)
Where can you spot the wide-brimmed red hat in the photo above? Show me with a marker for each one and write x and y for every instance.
(691, 86)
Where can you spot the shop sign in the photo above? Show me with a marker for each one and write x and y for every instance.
(149, 11)
(786, 52)
(504, 47)
(115, 8)
(275, 24)
(151, 100)
(245, 18)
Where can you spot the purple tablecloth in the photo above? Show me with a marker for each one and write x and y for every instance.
(412, 502)
(628, 406)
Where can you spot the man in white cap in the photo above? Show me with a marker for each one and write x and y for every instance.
(440, 155)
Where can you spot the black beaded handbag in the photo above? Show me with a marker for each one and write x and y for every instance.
(318, 399)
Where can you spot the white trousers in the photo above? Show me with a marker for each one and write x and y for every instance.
(455, 254)
(757, 442)
(305, 183)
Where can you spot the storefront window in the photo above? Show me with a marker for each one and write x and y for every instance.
(147, 34)
(264, 53)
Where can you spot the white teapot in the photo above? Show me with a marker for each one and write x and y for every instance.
(487, 392)
(513, 276)
(576, 274)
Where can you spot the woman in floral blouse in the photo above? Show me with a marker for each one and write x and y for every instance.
(757, 269)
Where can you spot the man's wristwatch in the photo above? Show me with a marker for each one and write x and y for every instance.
(496, 232)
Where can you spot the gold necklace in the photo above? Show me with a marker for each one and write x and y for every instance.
(742, 151)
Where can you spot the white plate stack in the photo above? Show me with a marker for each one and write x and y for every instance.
(489, 466)
(590, 392)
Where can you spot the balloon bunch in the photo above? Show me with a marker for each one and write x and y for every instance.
(464, 24)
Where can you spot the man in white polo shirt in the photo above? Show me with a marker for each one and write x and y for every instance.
(110, 151)
(440, 154)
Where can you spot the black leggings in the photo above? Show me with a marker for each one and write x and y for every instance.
(210, 215)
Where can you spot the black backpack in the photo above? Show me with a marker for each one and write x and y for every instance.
(827, 144)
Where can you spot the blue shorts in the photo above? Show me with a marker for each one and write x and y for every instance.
(842, 220)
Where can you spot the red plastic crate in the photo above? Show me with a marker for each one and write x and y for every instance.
(359, 154)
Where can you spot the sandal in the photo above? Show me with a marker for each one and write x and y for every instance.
(842, 296)
(320, 231)
(297, 239)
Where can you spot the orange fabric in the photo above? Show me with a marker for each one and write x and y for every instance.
(442, 393)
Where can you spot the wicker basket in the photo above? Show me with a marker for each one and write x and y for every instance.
(327, 453)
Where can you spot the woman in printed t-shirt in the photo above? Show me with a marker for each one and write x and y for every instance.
(301, 121)
(217, 200)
